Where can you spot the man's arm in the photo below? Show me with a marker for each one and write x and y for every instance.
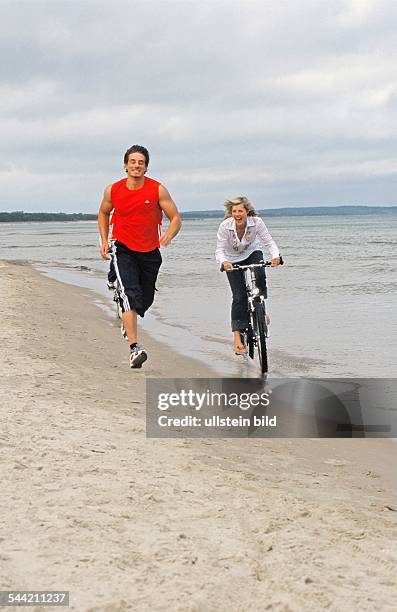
(168, 205)
(103, 222)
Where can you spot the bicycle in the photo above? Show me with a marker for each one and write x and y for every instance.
(116, 288)
(257, 331)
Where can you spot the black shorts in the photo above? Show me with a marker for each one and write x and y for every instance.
(137, 274)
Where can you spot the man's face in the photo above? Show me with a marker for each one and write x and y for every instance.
(136, 165)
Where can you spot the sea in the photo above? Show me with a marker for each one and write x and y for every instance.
(333, 304)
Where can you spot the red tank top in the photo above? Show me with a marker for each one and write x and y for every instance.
(138, 216)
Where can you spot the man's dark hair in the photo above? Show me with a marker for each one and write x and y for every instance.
(137, 149)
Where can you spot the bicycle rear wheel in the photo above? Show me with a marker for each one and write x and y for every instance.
(119, 311)
(117, 301)
(260, 330)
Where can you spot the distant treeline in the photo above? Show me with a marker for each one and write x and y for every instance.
(300, 211)
(20, 215)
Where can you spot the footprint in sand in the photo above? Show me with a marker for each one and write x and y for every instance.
(336, 462)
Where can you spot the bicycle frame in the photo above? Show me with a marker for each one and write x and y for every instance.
(117, 301)
(253, 291)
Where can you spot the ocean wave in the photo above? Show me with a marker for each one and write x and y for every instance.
(50, 246)
(217, 339)
(64, 265)
(364, 288)
(387, 242)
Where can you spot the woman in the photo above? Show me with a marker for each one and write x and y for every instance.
(239, 242)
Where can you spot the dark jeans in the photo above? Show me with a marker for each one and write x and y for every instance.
(239, 290)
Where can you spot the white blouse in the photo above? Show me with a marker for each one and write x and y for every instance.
(230, 248)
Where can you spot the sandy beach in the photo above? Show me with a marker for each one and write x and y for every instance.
(90, 505)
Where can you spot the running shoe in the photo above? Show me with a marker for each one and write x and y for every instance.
(138, 356)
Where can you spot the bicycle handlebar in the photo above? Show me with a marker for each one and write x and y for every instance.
(263, 264)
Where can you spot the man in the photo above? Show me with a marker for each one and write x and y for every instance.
(138, 203)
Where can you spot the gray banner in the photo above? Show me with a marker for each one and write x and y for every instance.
(230, 407)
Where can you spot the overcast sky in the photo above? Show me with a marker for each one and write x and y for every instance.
(288, 102)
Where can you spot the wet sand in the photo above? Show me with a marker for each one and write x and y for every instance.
(90, 505)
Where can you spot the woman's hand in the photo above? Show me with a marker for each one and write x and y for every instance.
(227, 266)
(276, 261)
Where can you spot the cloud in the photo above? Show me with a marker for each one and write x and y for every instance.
(290, 102)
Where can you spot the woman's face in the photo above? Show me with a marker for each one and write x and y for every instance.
(239, 214)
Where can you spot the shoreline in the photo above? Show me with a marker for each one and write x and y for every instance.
(184, 343)
(224, 365)
(125, 522)
(156, 365)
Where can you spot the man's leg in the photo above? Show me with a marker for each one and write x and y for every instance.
(127, 271)
(130, 325)
(149, 264)
(128, 275)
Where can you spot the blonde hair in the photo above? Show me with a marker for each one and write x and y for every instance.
(241, 200)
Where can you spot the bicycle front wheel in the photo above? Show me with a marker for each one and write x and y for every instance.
(250, 341)
(260, 331)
